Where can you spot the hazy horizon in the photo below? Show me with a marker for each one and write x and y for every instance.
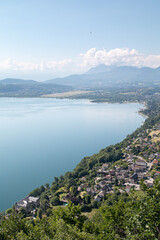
(42, 40)
(41, 79)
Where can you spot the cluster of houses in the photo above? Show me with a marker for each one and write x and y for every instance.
(28, 203)
(118, 177)
(124, 179)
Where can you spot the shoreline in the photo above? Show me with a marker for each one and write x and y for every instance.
(142, 114)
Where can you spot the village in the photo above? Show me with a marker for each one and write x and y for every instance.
(141, 161)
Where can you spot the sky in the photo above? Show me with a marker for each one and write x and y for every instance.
(41, 39)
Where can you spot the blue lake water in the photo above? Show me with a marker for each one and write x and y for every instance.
(43, 138)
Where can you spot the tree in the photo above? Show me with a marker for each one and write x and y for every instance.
(55, 201)
(44, 205)
(9, 211)
(47, 185)
(116, 182)
(71, 214)
(39, 213)
(73, 191)
(87, 199)
(22, 212)
(111, 221)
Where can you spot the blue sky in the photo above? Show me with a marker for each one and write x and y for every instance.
(43, 39)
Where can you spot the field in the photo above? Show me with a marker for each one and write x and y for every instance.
(64, 94)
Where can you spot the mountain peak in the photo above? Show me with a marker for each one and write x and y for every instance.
(101, 68)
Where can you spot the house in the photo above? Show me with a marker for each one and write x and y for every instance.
(131, 156)
(102, 171)
(90, 191)
(119, 169)
(137, 168)
(157, 173)
(134, 178)
(158, 126)
(155, 162)
(111, 172)
(128, 148)
(123, 173)
(141, 175)
(105, 166)
(141, 162)
(102, 183)
(108, 178)
(130, 186)
(157, 155)
(82, 179)
(149, 182)
(79, 188)
(129, 160)
(28, 203)
(119, 177)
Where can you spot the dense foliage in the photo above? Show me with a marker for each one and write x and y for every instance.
(121, 216)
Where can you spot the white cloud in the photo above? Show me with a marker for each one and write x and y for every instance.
(11, 64)
(57, 65)
(119, 57)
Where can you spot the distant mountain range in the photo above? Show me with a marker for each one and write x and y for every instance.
(98, 77)
(112, 76)
(12, 87)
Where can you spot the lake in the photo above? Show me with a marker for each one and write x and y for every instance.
(43, 138)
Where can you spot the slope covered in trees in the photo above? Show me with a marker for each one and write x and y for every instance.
(121, 216)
